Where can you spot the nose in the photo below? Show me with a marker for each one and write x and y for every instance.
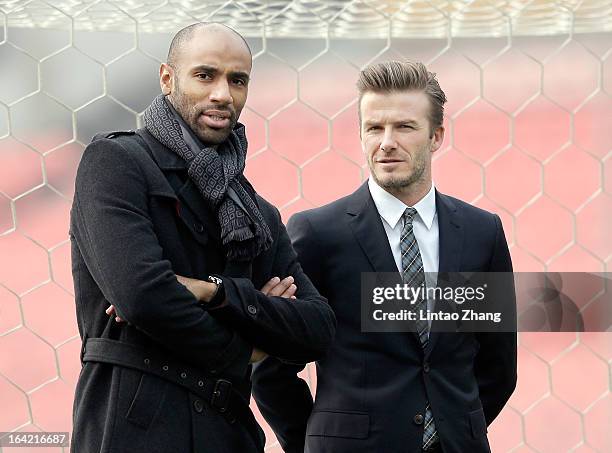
(221, 92)
(388, 143)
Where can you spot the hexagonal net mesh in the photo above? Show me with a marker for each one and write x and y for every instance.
(527, 136)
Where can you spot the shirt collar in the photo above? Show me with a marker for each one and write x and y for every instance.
(391, 208)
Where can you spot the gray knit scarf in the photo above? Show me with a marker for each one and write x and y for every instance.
(218, 174)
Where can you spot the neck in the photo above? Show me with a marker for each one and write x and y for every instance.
(412, 194)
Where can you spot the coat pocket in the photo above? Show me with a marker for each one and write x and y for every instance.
(478, 423)
(147, 401)
(352, 425)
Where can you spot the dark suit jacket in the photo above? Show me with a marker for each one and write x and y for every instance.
(136, 221)
(370, 386)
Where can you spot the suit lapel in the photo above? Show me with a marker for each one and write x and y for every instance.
(370, 233)
(451, 232)
(365, 222)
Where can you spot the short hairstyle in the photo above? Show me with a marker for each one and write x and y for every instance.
(393, 76)
(183, 36)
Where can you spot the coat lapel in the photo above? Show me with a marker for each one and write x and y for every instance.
(191, 207)
(193, 201)
(451, 232)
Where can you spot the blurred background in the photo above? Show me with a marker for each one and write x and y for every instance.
(529, 136)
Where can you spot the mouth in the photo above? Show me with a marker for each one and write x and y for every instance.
(216, 119)
(388, 161)
(388, 165)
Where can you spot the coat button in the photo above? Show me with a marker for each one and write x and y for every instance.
(418, 419)
(426, 367)
(198, 406)
(252, 310)
(198, 227)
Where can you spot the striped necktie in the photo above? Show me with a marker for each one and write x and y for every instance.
(414, 275)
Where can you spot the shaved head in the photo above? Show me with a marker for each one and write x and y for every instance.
(206, 78)
(186, 34)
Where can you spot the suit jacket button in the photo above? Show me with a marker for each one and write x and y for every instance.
(198, 406)
(198, 227)
(252, 309)
(426, 367)
(418, 419)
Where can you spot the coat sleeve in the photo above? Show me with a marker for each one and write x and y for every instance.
(284, 398)
(294, 330)
(495, 365)
(112, 227)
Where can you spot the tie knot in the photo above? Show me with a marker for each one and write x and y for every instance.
(409, 214)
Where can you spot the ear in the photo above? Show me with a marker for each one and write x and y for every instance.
(437, 139)
(166, 79)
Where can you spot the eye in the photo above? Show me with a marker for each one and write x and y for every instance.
(239, 82)
(372, 128)
(406, 126)
(204, 76)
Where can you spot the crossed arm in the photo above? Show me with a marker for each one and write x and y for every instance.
(114, 233)
(205, 291)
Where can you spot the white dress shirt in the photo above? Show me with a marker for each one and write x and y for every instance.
(424, 225)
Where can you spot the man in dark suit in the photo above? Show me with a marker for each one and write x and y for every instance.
(167, 231)
(394, 392)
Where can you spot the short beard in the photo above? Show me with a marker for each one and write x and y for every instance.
(190, 114)
(397, 184)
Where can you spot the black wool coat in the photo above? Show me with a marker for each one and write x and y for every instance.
(136, 222)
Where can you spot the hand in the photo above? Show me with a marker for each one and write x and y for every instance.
(275, 287)
(282, 288)
(201, 290)
(110, 311)
(257, 355)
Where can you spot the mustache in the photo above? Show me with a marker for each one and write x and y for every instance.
(200, 110)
